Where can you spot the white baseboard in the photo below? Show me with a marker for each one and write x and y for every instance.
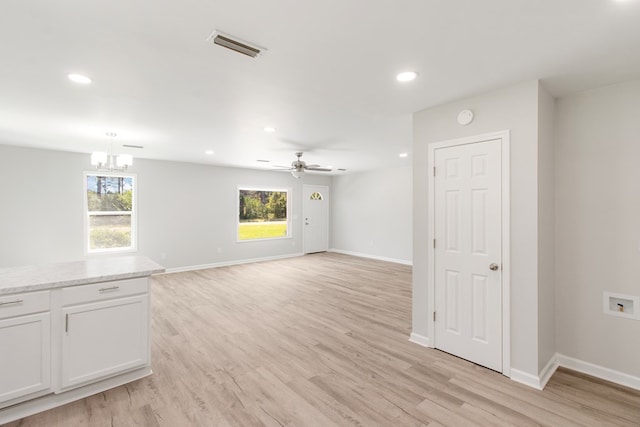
(525, 378)
(548, 371)
(228, 263)
(558, 360)
(599, 371)
(419, 339)
(539, 381)
(379, 258)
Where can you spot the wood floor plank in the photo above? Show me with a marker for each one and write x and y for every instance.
(320, 340)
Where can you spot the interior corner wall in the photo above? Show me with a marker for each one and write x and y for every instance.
(598, 224)
(546, 229)
(515, 109)
(371, 213)
(187, 213)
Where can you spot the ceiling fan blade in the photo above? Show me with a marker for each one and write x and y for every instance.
(317, 169)
(286, 168)
(314, 166)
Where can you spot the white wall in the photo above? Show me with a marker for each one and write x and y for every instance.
(41, 217)
(598, 223)
(516, 109)
(186, 212)
(546, 229)
(371, 213)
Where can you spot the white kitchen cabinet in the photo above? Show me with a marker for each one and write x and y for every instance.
(106, 334)
(25, 346)
(71, 330)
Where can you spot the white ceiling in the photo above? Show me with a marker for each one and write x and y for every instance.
(327, 82)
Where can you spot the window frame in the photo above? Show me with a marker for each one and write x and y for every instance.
(87, 214)
(286, 190)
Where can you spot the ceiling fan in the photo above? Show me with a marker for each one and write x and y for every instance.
(299, 167)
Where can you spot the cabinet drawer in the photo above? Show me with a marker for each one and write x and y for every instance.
(19, 304)
(105, 290)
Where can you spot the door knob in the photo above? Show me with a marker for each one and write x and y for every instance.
(493, 266)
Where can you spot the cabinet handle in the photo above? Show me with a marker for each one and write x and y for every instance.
(66, 322)
(111, 288)
(18, 301)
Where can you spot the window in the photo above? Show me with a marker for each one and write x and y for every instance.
(315, 196)
(263, 213)
(109, 200)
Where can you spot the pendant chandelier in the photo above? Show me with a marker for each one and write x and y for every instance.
(107, 161)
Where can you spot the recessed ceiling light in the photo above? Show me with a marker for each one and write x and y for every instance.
(79, 78)
(403, 155)
(263, 161)
(209, 152)
(269, 129)
(406, 76)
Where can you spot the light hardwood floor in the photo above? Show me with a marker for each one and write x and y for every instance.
(320, 340)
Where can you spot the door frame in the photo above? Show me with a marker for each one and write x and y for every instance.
(326, 193)
(504, 136)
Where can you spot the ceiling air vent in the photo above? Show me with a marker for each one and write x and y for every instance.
(235, 44)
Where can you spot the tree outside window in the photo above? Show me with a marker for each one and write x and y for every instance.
(262, 214)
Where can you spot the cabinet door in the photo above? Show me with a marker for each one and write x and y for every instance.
(104, 338)
(25, 355)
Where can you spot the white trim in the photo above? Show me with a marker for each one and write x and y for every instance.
(525, 378)
(506, 252)
(377, 257)
(548, 371)
(419, 339)
(540, 381)
(504, 136)
(52, 400)
(228, 263)
(599, 371)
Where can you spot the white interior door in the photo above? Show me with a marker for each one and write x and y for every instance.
(467, 254)
(316, 218)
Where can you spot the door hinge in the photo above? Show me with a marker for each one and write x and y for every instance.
(66, 323)
(434, 171)
(434, 243)
(434, 316)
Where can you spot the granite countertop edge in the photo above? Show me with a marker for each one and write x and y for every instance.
(51, 276)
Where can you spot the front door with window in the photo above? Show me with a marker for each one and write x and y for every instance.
(467, 254)
(315, 218)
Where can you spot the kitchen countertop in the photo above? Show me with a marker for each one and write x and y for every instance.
(32, 278)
